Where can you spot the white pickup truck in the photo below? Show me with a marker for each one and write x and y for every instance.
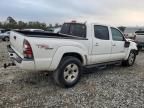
(76, 46)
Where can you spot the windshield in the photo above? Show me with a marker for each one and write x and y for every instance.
(74, 29)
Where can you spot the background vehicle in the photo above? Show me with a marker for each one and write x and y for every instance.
(57, 30)
(129, 32)
(5, 36)
(1, 31)
(77, 45)
(139, 39)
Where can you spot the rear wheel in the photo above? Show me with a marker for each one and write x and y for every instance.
(131, 59)
(68, 73)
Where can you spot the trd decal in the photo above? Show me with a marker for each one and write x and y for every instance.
(43, 46)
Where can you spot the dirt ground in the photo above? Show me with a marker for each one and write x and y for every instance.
(113, 87)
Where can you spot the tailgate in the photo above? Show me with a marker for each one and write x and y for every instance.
(16, 42)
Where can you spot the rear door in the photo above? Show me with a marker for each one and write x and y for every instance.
(118, 41)
(101, 45)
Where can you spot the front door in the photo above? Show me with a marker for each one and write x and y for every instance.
(118, 49)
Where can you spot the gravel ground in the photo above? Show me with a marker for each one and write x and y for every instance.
(113, 87)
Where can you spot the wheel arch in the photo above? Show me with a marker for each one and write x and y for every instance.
(68, 51)
(134, 50)
(74, 54)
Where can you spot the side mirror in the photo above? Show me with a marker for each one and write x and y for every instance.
(127, 44)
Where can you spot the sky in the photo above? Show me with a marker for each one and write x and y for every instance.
(112, 12)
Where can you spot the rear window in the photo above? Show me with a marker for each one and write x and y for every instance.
(65, 29)
(74, 29)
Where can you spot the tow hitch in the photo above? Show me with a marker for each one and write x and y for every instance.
(6, 65)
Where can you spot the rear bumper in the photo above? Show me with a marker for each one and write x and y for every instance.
(25, 64)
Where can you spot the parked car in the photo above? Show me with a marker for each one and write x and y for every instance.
(77, 46)
(139, 39)
(1, 31)
(5, 36)
(57, 30)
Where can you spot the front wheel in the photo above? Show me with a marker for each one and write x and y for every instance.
(68, 73)
(131, 59)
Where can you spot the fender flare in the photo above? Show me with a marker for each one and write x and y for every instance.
(64, 50)
(133, 47)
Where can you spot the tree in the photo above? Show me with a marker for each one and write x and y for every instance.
(56, 25)
(21, 25)
(43, 26)
(50, 26)
(1, 25)
(11, 20)
(11, 23)
(122, 28)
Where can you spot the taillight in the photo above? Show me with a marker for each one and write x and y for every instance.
(27, 50)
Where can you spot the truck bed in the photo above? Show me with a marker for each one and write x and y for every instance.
(17, 38)
(48, 35)
(40, 34)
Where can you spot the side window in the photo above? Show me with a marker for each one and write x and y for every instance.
(101, 32)
(78, 30)
(117, 35)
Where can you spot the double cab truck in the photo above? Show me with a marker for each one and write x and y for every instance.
(76, 46)
(139, 39)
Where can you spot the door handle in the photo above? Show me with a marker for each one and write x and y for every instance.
(96, 44)
(114, 45)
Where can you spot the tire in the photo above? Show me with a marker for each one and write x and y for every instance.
(6, 39)
(68, 73)
(131, 59)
